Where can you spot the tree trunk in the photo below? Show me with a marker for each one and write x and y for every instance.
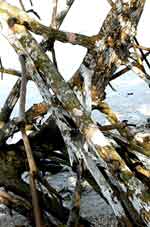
(125, 188)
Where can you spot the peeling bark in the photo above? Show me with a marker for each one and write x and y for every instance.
(10, 103)
(117, 172)
(123, 186)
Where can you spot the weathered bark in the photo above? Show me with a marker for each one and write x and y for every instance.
(10, 71)
(11, 127)
(13, 164)
(108, 157)
(74, 147)
(59, 16)
(21, 17)
(111, 47)
(123, 130)
(78, 150)
(80, 136)
(10, 103)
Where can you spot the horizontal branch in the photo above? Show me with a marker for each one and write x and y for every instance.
(15, 15)
(111, 3)
(141, 47)
(10, 71)
(16, 203)
(126, 69)
(69, 37)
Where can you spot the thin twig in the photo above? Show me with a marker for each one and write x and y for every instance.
(50, 189)
(30, 158)
(53, 23)
(13, 201)
(119, 125)
(141, 47)
(56, 22)
(35, 201)
(61, 18)
(22, 5)
(74, 212)
(139, 68)
(111, 3)
(34, 12)
(1, 67)
(10, 71)
(141, 51)
(126, 69)
(31, 2)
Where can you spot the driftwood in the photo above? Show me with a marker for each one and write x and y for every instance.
(118, 174)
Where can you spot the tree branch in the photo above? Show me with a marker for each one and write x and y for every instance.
(22, 5)
(17, 16)
(111, 3)
(54, 14)
(10, 71)
(61, 16)
(141, 48)
(10, 102)
(30, 158)
(101, 147)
